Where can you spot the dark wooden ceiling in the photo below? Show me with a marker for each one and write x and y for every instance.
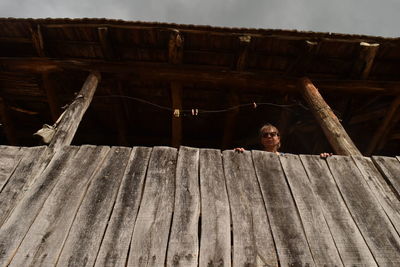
(43, 63)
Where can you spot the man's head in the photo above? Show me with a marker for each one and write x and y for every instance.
(270, 138)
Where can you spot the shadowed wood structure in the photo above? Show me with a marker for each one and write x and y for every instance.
(159, 206)
(200, 86)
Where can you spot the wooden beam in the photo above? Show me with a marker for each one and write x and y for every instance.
(383, 130)
(233, 96)
(195, 73)
(303, 62)
(363, 65)
(117, 105)
(69, 121)
(334, 131)
(105, 43)
(175, 57)
(7, 123)
(37, 40)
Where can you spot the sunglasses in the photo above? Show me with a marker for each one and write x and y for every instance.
(271, 134)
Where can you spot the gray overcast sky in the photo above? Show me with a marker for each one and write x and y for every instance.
(371, 17)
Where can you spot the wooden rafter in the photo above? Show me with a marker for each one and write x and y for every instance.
(363, 65)
(383, 131)
(175, 56)
(333, 130)
(233, 96)
(69, 121)
(189, 73)
(7, 123)
(303, 62)
(46, 83)
(105, 43)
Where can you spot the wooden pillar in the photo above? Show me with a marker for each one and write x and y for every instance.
(7, 123)
(334, 131)
(382, 132)
(366, 56)
(67, 124)
(175, 56)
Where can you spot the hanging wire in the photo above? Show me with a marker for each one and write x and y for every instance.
(195, 112)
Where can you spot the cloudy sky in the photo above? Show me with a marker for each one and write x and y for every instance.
(371, 17)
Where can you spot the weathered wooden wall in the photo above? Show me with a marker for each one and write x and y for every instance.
(142, 206)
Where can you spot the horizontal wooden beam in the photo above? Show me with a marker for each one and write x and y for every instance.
(333, 130)
(195, 73)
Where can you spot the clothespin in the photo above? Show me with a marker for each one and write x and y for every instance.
(177, 113)
(195, 111)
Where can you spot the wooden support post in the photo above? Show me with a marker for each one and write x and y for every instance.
(334, 131)
(233, 96)
(68, 123)
(384, 129)
(363, 65)
(7, 123)
(175, 56)
(47, 85)
(120, 118)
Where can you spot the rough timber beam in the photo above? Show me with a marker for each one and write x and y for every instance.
(334, 131)
(383, 131)
(105, 43)
(69, 121)
(233, 97)
(7, 123)
(303, 62)
(190, 74)
(363, 65)
(175, 56)
(46, 84)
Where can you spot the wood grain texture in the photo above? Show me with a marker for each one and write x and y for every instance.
(252, 239)
(15, 228)
(317, 231)
(215, 240)
(379, 187)
(86, 233)
(390, 169)
(9, 158)
(348, 239)
(183, 245)
(150, 236)
(366, 211)
(44, 240)
(115, 246)
(31, 164)
(287, 229)
(72, 116)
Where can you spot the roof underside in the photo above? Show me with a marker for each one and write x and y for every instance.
(214, 73)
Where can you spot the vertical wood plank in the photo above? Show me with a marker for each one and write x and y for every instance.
(382, 191)
(87, 231)
(351, 246)
(9, 158)
(150, 236)
(317, 231)
(252, 240)
(115, 246)
(183, 245)
(42, 244)
(390, 169)
(290, 240)
(31, 164)
(375, 226)
(215, 240)
(15, 228)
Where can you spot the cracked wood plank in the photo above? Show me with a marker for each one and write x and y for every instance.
(215, 240)
(115, 246)
(87, 231)
(183, 245)
(286, 226)
(150, 236)
(9, 158)
(14, 228)
(44, 240)
(366, 211)
(252, 239)
(317, 231)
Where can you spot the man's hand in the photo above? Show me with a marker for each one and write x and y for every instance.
(325, 155)
(239, 149)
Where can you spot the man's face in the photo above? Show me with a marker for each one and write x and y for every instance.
(270, 138)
